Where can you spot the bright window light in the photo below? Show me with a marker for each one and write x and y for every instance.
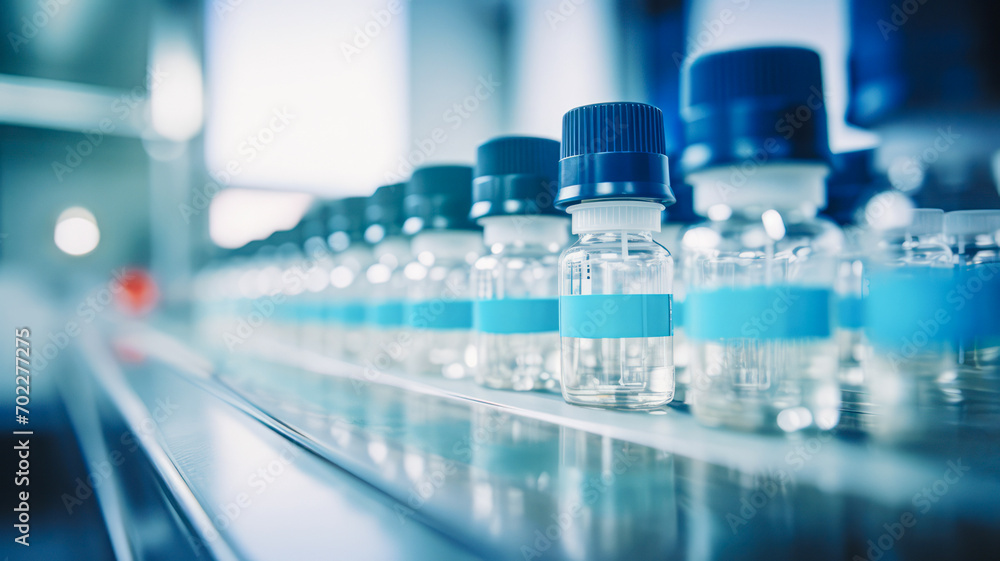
(76, 231)
(564, 56)
(319, 106)
(238, 216)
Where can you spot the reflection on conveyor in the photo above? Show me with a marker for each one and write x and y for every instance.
(515, 487)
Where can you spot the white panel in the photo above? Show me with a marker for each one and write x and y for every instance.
(306, 94)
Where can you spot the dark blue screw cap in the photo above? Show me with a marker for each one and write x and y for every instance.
(910, 59)
(347, 215)
(613, 151)
(763, 105)
(385, 209)
(439, 198)
(516, 175)
(851, 182)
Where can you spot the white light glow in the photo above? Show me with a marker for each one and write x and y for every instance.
(701, 238)
(415, 271)
(795, 418)
(719, 212)
(773, 224)
(889, 210)
(378, 273)
(237, 216)
(341, 277)
(76, 231)
(426, 258)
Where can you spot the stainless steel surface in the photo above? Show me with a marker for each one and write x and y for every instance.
(512, 475)
(240, 489)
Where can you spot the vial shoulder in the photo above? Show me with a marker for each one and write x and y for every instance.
(817, 235)
(647, 250)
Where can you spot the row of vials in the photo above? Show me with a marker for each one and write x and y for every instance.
(554, 266)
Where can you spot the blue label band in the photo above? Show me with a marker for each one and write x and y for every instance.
(311, 312)
(764, 312)
(909, 307)
(286, 311)
(331, 313)
(352, 314)
(386, 314)
(979, 288)
(439, 314)
(850, 312)
(615, 316)
(517, 315)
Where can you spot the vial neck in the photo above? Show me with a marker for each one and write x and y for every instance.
(623, 216)
(394, 246)
(797, 191)
(447, 245)
(616, 236)
(525, 230)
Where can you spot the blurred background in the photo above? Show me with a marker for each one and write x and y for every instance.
(139, 139)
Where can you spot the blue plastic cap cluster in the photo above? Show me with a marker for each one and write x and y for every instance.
(851, 181)
(385, 209)
(613, 151)
(439, 198)
(760, 105)
(516, 175)
(313, 223)
(347, 215)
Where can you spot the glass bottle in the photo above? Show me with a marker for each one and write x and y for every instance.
(761, 270)
(389, 339)
(911, 366)
(439, 295)
(972, 236)
(615, 281)
(348, 288)
(517, 307)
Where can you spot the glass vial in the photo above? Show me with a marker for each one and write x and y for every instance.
(348, 289)
(389, 340)
(517, 307)
(446, 243)
(911, 366)
(974, 239)
(761, 271)
(615, 282)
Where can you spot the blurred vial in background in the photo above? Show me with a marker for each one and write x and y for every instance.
(761, 271)
(930, 88)
(216, 294)
(262, 284)
(348, 287)
(389, 341)
(445, 244)
(910, 370)
(285, 287)
(852, 182)
(316, 268)
(516, 283)
(677, 219)
(972, 236)
(615, 281)
(851, 344)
